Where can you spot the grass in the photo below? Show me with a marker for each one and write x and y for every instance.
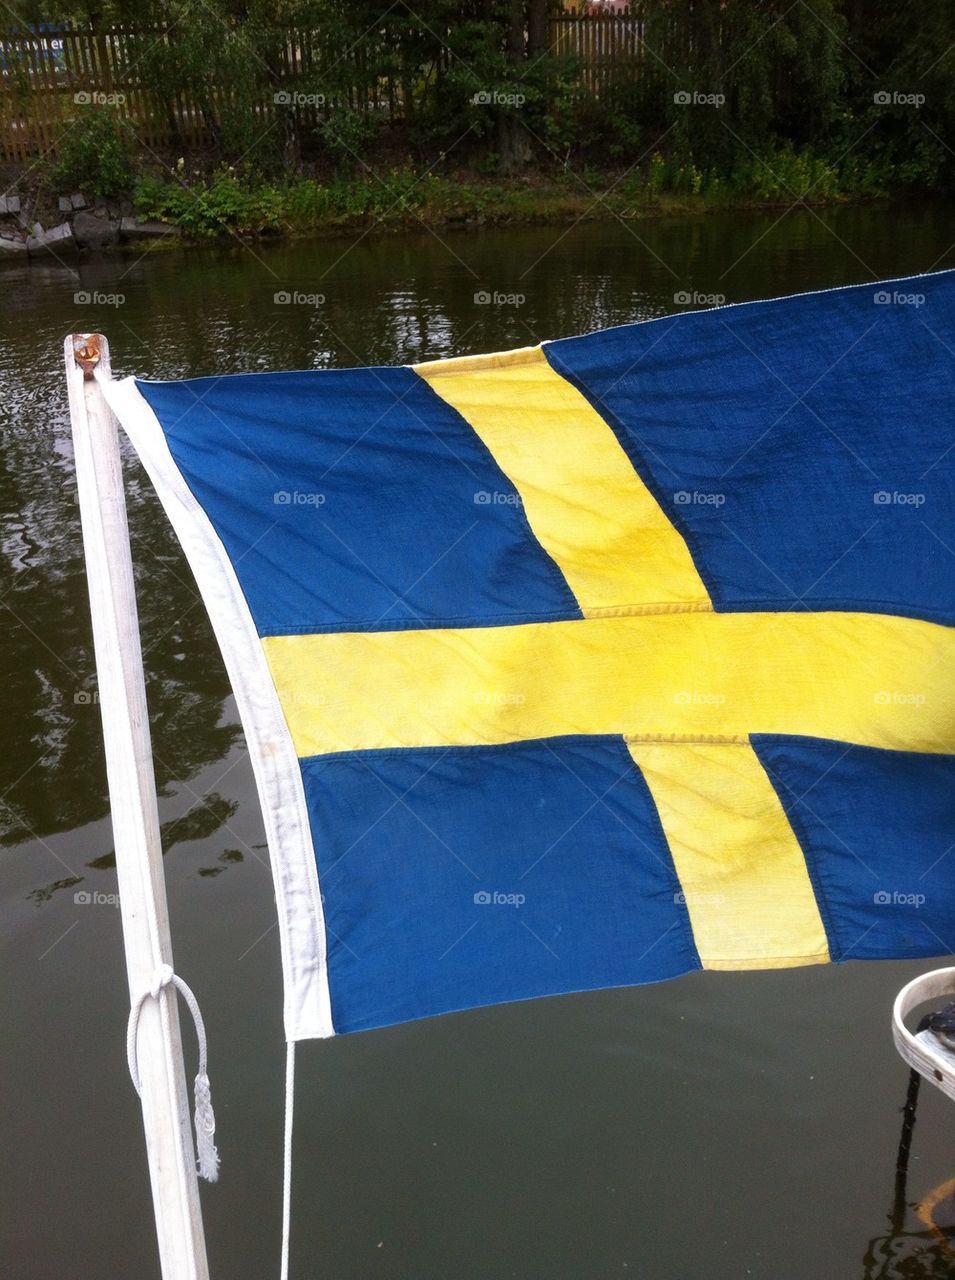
(224, 202)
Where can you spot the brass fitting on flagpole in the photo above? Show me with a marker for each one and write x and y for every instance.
(86, 352)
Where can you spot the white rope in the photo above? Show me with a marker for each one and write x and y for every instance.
(287, 1162)
(207, 1157)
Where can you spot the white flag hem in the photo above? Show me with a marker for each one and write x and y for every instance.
(274, 762)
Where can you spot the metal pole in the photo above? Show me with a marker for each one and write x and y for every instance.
(132, 792)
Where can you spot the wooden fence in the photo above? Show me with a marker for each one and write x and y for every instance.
(603, 44)
(48, 74)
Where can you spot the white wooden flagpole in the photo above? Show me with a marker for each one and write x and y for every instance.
(132, 792)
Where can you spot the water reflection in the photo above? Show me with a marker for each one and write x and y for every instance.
(907, 1255)
(927, 1253)
(204, 819)
(52, 776)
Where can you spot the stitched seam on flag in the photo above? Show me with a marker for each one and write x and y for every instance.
(499, 620)
(633, 451)
(362, 753)
(687, 739)
(887, 608)
(774, 773)
(582, 739)
(363, 625)
(641, 610)
(576, 739)
(768, 962)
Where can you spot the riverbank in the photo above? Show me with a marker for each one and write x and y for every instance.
(403, 199)
(181, 207)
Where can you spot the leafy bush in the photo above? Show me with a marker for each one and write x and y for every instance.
(220, 206)
(223, 67)
(786, 174)
(94, 154)
(346, 135)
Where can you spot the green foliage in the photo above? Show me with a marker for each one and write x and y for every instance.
(225, 70)
(780, 175)
(94, 154)
(786, 175)
(731, 76)
(769, 101)
(221, 206)
(899, 59)
(397, 197)
(346, 135)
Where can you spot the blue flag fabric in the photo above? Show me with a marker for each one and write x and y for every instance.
(592, 663)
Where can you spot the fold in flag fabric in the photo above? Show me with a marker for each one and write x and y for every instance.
(593, 663)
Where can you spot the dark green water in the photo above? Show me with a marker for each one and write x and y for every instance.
(719, 1126)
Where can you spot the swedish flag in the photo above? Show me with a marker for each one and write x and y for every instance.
(592, 663)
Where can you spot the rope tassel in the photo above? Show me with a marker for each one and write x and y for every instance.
(207, 1157)
(206, 1153)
